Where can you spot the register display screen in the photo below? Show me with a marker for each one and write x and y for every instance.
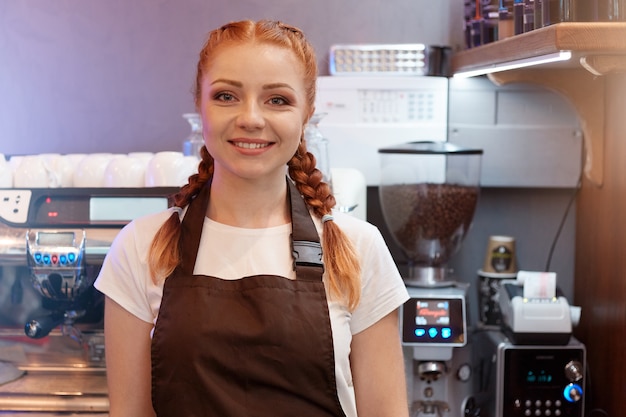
(433, 321)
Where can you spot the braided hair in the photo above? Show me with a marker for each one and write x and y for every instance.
(340, 260)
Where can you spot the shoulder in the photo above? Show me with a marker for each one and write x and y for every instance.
(140, 231)
(353, 226)
(363, 235)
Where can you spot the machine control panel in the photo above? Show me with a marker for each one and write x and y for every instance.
(434, 320)
(538, 381)
(14, 205)
(530, 380)
(55, 249)
(76, 207)
(56, 261)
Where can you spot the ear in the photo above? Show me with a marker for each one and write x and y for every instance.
(311, 113)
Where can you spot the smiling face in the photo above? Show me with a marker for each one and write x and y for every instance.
(254, 107)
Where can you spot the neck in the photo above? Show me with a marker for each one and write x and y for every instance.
(249, 204)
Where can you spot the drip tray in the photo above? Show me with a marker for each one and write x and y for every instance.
(54, 391)
(49, 376)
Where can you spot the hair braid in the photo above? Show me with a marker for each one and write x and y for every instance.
(165, 247)
(340, 259)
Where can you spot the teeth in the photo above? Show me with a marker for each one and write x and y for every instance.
(248, 145)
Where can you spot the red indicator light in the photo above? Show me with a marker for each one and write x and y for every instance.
(53, 214)
(55, 259)
(48, 200)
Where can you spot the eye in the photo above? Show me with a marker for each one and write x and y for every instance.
(278, 101)
(224, 96)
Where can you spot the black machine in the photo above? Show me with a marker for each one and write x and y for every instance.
(529, 380)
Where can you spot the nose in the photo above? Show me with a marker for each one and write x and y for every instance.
(251, 116)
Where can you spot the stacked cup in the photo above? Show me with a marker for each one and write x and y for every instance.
(500, 264)
(132, 170)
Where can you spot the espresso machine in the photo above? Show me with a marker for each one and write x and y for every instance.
(428, 194)
(52, 244)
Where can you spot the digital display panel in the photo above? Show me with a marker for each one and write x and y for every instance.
(540, 367)
(55, 238)
(434, 321)
(79, 210)
(61, 210)
(432, 312)
(109, 209)
(539, 376)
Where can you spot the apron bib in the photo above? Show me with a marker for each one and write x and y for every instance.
(260, 346)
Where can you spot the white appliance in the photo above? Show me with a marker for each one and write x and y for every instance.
(364, 114)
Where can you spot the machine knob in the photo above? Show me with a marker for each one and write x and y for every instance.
(574, 371)
(464, 372)
(573, 393)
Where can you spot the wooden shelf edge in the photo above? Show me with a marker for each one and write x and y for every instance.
(582, 38)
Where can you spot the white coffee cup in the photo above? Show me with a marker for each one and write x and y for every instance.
(90, 171)
(56, 167)
(190, 167)
(66, 166)
(15, 161)
(31, 173)
(143, 156)
(125, 172)
(75, 158)
(166, 169)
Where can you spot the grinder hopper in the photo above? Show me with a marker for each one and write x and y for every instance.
(428, 193)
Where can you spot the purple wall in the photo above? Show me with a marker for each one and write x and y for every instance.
(116, 75)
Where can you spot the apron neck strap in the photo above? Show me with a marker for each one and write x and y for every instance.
(191, 230)
(305, 241)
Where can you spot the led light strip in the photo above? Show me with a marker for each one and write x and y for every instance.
(521, 63)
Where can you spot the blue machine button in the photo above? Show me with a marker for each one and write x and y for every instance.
(71, 257)
(420, 332)
(446, 333)
(573, 393)
(62, 259)
(46, 259)
(432, 332)
(38, 257)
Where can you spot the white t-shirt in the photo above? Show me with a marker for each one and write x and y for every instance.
(124, 276)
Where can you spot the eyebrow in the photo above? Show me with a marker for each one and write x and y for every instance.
(265, 87)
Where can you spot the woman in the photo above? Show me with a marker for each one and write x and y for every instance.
(226, 305)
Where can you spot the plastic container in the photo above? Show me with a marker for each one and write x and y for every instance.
(194, 142)
(428, 193)
(317, 144)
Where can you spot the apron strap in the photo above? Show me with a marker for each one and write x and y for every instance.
(191, 231)
(305, 241)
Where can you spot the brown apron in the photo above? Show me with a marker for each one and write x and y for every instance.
(260, 346)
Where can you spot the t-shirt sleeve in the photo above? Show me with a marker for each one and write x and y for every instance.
(382, 287)
(124, 274)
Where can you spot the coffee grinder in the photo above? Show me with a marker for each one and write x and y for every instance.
(428, 194)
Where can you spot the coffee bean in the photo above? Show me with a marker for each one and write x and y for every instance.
(429, 221)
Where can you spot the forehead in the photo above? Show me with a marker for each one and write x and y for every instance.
(253, 59)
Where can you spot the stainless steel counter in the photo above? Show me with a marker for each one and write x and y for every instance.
(59, 375)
